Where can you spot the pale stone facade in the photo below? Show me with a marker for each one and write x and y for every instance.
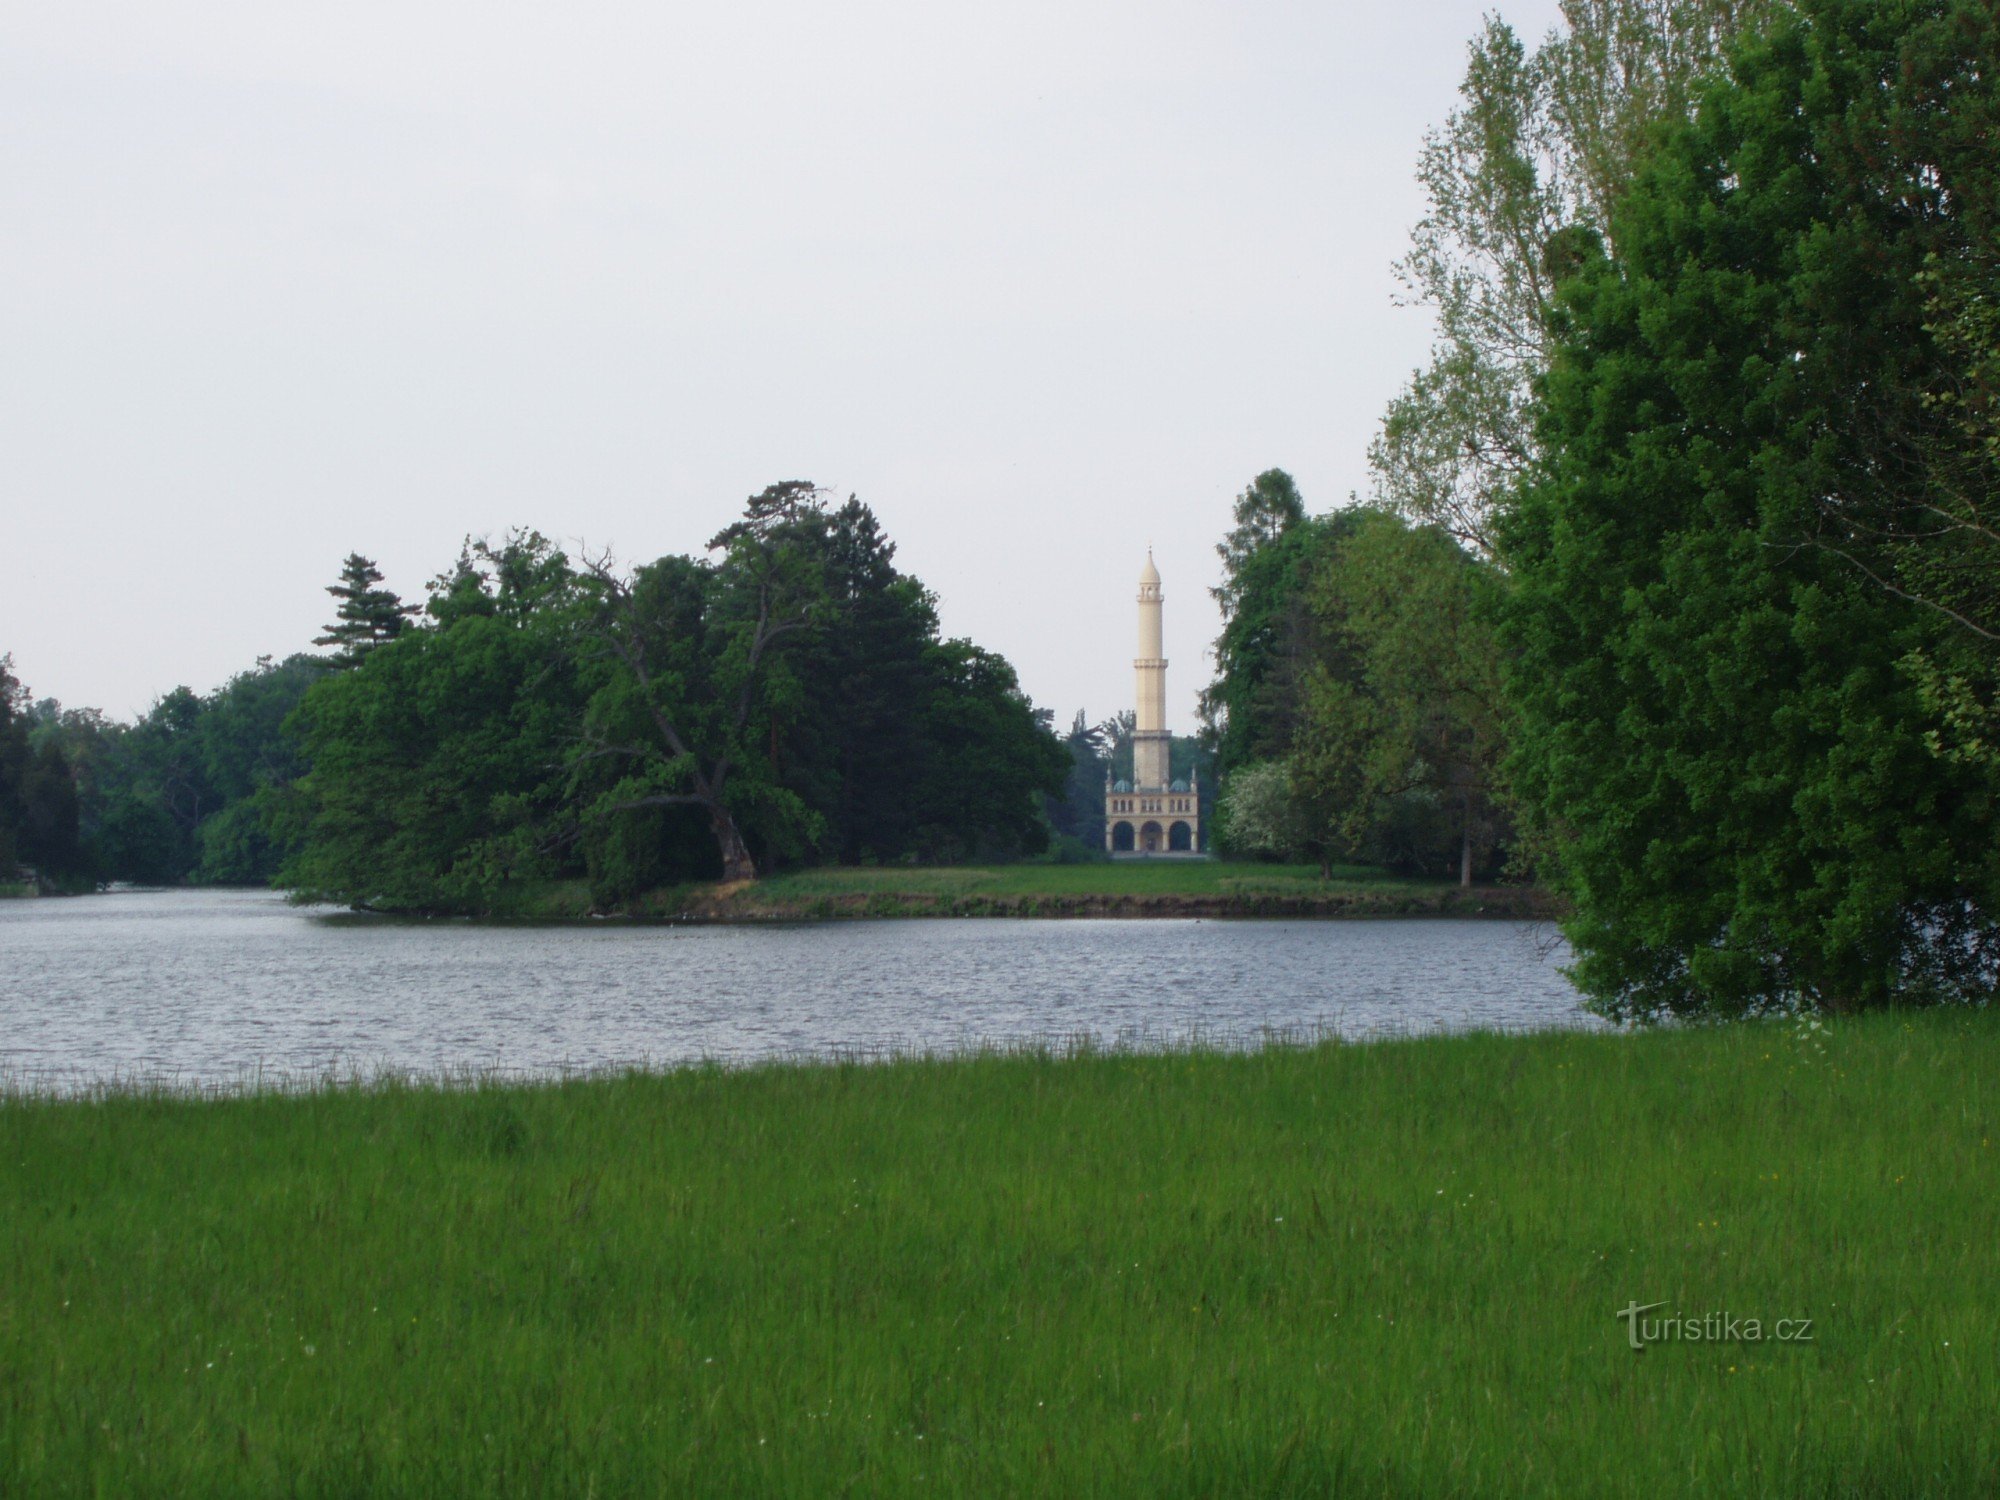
(1151, 813)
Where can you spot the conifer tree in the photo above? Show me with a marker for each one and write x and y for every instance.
(367, 616)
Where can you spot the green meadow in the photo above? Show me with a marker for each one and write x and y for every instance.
(1379, 1269)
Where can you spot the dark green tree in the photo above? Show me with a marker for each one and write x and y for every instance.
(1715, 724)
(992, 760)
(702, 681)
(1079, 812)
(1250, 711)
(866, 673)
(440, 772)
(251, 764)
(40, 824)
(368, 615)
(1262, 514)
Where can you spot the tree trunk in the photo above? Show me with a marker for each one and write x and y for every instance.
(736, 861)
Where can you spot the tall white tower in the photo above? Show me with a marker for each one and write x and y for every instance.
(1151, 814)
(1150, 753)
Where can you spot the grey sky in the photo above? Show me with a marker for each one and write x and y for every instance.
(1039, 282)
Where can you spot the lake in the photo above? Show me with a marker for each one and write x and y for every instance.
(212, 987)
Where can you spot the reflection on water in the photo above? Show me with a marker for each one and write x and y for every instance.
(208, 986)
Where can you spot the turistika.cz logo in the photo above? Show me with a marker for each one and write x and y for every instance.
(1717, 1327)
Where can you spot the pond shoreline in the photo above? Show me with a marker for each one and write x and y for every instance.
(1032, 893)
(1499, 903)
(1514, 903)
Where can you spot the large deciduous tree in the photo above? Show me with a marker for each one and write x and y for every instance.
(1402, 725)
(1522, 178)
(691, 713)
(1716, 718)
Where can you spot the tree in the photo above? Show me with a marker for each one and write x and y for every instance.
(1525, 177)
(1079, 812)
(690, 714)
(1264, 512)
(14, 760)
(859, 740)
(250, 762)
(1249, 710)
(1402, 724)
(1918, 513)
(1715, 725)
(994, 759)
(1257, 815)
(367, 617)
(440, 772)
(39, 814)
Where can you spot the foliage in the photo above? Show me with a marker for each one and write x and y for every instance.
(38, 800)
(368, 616)
(992, 760)
(1250, 710)
(186, 793)
(1714, 718)
(439, 764)
(1918, 516)
(1402, 726)
(1524, 177)
(784, 700)
(1256, 814)
(1298, 1271)
(1078, 816)
(688, 716)
(1262, 514)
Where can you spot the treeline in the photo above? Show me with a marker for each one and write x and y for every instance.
(1355, 712)
(1681, 585)
(786, 699)
(185, 794)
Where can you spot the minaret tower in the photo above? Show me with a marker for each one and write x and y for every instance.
(1150, 756)
(1151, 814)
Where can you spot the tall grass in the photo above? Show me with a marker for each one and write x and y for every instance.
(1379, 1269)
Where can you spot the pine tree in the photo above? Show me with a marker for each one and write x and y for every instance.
(368, 615)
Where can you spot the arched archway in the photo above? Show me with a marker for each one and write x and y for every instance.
(1180, 838)
(1152, 838)
(1121, 838)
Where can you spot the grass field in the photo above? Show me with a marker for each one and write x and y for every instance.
(1380, 1269)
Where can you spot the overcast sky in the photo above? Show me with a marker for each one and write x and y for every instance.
(1040, 282)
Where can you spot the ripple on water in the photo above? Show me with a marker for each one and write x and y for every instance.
(207, 987)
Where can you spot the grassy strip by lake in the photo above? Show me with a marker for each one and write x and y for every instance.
(1391, 1268)
(1118, 888)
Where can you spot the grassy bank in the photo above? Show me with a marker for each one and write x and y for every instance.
(1122, 888)
(1389, 1268)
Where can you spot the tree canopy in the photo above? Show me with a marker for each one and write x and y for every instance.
(785, 699)
(1717, 720)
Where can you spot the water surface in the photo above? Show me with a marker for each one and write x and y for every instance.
(211, 986)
